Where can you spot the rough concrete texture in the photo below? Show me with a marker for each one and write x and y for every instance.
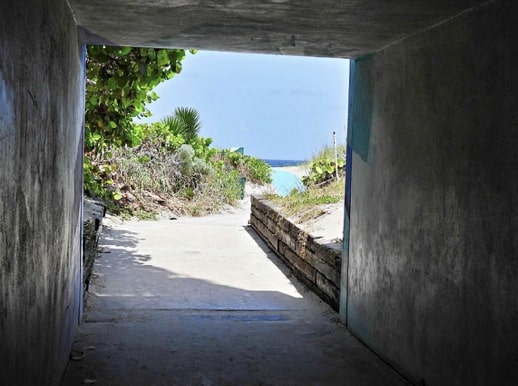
(40, 189)
(433, 268)
(202, 301)
(317, 28)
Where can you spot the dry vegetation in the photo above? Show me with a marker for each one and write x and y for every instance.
(311, 203)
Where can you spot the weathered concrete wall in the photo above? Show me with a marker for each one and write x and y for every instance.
(433, 269)
(315, 263)
(41, 113)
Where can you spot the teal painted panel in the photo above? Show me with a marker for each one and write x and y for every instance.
(361, 92)
(361, 105)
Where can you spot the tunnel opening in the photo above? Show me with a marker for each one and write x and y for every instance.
(200, 290)
(299, 118)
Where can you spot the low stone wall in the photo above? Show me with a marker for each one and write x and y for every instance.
(318, 265)
(93, 213)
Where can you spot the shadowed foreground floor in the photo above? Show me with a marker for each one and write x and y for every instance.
(202, 301)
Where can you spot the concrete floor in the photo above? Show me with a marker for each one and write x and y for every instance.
(204, 302)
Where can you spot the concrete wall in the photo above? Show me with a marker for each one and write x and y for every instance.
(433, 266)
(317, 263)
(41, 113)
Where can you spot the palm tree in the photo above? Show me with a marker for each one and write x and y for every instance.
(185, 122)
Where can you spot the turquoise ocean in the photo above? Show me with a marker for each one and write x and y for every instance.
(284, 181)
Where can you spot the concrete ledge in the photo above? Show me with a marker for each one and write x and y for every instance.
(317, 264)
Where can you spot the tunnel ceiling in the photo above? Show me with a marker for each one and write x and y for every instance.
(334, 28)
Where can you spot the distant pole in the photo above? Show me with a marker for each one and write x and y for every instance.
(336, 155)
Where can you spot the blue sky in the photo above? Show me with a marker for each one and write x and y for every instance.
(276, 107)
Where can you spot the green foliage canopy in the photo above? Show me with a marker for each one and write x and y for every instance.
(120, 82)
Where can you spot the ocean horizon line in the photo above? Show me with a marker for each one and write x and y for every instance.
(275, 163)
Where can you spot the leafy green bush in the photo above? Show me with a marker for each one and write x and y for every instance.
(323, 170)
(157, 133)
(120, 82)
(322, 167)
(98, 180)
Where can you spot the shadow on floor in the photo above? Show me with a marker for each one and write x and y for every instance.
(146, 325)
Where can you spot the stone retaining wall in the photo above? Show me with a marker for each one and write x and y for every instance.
(93, 213)
(317, 264)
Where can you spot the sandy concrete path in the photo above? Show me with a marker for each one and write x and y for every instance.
(202, 301)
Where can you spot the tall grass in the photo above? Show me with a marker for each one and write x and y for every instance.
(328, 151)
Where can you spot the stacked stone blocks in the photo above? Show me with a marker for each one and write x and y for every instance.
(313, 261)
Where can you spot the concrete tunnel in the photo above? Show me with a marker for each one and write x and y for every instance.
(430, 272)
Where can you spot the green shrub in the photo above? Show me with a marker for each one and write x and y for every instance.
(253, 169)
(164, 171)
(154, 176)
(323, 170)
(322, 167)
